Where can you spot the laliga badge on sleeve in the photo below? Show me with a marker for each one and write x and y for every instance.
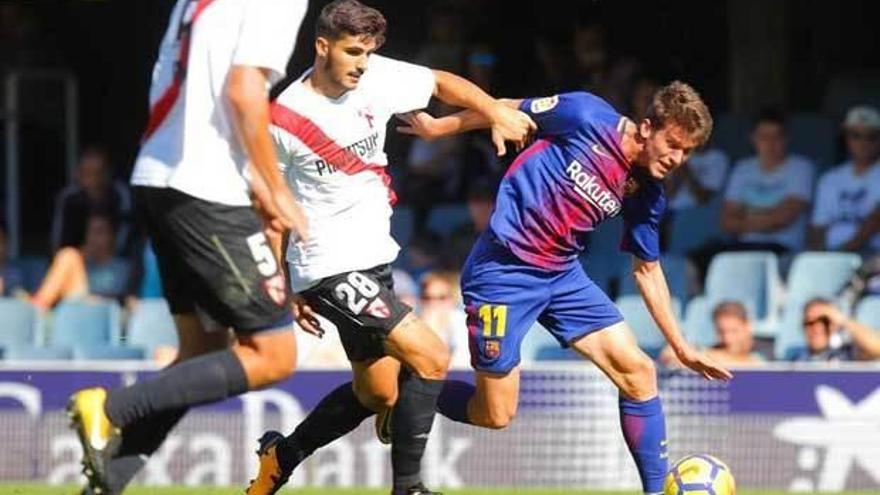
(544, 104)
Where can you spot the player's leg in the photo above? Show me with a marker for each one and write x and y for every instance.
(232, 285)
(617, 353)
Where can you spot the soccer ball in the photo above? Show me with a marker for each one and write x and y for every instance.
(699, 475)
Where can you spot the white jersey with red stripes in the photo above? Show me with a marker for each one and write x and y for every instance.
(332, 154)
(191, 144)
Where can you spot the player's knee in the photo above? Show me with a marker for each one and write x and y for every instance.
(437, 364)
(278, 364)
(376, 400)
(498, 420)
(641, 380)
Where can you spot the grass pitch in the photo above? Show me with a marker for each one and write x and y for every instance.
(72, 490)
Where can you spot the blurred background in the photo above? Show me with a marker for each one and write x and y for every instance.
(771, 240)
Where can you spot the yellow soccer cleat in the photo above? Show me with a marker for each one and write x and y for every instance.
(271, 477)
(98, 437)
(383, 425)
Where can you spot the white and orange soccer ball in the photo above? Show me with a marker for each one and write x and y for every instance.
(699, 474)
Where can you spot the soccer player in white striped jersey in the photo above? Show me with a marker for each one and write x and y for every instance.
(329, 129)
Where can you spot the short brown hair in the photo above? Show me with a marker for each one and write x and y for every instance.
(350, 17)
(731, 308)
(680, 104)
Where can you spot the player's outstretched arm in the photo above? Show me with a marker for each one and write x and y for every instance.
(246, 91)
(506, 123)
(655, 292)
(428, 127)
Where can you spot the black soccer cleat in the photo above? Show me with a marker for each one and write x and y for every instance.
(418, 489)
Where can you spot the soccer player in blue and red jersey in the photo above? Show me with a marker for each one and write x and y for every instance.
(588, 164)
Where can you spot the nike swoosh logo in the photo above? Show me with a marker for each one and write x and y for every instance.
(599, 151)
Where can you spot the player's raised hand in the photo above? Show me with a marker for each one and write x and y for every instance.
(509, 124)
(420, 123)
(306, 317)
(702, 364)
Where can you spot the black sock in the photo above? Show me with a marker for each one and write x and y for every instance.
(453, 401)
(413, 417)
(338, 413)
(208, 378)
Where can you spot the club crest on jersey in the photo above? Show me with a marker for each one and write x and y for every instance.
(276, 289)
(544, 104)
(367, 114)
(378, 309)
(492, 349)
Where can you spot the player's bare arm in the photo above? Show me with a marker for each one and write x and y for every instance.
(655, 292)
(506, 123)
(249, 99)
(428, 127)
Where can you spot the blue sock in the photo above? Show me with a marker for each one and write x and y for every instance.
(644, 428)
(454, 399)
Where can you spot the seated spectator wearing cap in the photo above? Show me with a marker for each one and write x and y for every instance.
(11, 275)
(736, 346)
(85, 271)
(768, 195)
(832, 336)
(847, 212)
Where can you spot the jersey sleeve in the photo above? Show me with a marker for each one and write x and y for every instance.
(642, 213)
(558, 115)
(401, 86)
(268, 35)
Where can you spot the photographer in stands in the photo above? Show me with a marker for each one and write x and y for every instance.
(833, 336)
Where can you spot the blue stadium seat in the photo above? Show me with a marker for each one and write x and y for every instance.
(675, 268)
(402, 225)
(752, 278)
(639, 319)
(603, 259)
(698, 326)
(692, 228)
(18, 323)
(85, 322)
(106, 353)
(868, 312)
(557, 353)
(537, 339)
(731, 134)
(35, 353)
(820, 274)
(151, 325)
(444, 219)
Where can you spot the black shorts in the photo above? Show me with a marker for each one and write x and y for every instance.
(214, 259)
(363, 306)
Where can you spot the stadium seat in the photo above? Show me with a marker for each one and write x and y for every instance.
(537, 339)
(85, 322)
(35, 353)
(676, 270)
(698, 326)
(639, 319)
(106, 352)
(752, 278)
(402, 225)
(603, 259)
(151, 325)
(820, 274)
(692, 228)
(19, 323)
(556, 353)
(868, 312)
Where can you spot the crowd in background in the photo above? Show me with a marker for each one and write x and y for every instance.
(774, 200)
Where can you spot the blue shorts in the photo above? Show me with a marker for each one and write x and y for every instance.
(504, 296)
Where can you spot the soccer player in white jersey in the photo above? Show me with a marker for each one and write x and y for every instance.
(329, 129)
(209, 119)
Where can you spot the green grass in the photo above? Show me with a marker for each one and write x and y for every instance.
(70, 490)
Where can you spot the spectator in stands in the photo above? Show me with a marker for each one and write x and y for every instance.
(441, 308)
(768, 196)
(405, 287)
(94, 191)
(480, 203)
(847, 212)
(832, 336)
(699, 180)
(11, 276)
(735, 346)
(89, 270)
